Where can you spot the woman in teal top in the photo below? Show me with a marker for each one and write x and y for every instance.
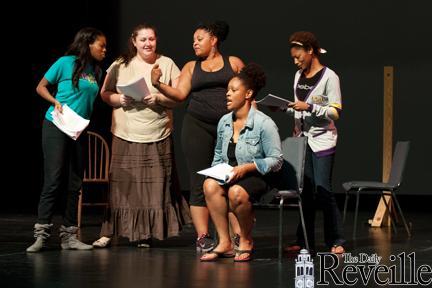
(75, 76)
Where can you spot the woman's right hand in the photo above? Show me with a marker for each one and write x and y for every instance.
(58, 107)
(156, 74)
(125, 100)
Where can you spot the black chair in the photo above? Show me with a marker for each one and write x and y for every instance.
(384, 188)
(291, 187)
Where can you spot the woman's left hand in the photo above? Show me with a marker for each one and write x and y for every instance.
(300, 106)
(240, 171)
(151, 100)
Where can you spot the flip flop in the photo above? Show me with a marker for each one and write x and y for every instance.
(241, 252)
(217, 255)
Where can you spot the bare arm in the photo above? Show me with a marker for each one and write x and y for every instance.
(42, 90)
(165, 101)
(113, 98)
(236, 63)
(184, 86)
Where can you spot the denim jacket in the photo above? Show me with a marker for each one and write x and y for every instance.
(258, 142)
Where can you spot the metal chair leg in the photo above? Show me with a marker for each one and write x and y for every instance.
(356, 213)
(280, 227)
(345, 206)
(402, 216)
(303, 224)
(389, 212)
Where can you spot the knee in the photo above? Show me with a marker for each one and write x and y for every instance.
(237, 196)
(211, 188)
(324, 193)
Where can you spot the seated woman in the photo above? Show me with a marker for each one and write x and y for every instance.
(249, 141)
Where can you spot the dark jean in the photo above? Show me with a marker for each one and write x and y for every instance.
(63, 174)
(317, 192)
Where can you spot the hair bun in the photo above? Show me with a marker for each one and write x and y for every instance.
(254, 76)
(220, 29)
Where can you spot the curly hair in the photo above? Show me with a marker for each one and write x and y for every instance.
(253, 77)
(306, 40)
(219, 29)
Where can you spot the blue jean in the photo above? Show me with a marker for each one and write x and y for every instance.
(317, 192)
(63, 174)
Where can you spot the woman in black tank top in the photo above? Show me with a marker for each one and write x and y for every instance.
(204, 82)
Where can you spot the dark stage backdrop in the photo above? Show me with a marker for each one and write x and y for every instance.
(361, 38)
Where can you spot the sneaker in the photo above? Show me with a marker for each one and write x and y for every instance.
(102, 242)
(205, 243)
(236, 241)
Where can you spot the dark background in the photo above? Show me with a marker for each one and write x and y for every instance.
(361, 38)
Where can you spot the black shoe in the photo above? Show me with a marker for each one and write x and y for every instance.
(145, 243)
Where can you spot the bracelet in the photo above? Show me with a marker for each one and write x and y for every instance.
(157, 85)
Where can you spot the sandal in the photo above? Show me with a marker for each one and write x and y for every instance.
(102, 242)
(337, 249)
(241, 252)
(216, 255)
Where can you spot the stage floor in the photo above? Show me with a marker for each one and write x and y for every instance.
(175, 263)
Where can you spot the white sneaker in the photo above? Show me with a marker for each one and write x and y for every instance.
(102, 242)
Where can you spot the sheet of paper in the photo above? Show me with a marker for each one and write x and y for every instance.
(274, 101)
(137, 89)
(69, 122)
(221, 172)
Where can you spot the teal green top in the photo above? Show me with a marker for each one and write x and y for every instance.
(79, 100)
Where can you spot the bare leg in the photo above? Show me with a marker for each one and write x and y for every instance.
(234, 224)
(217, 204)
(200, 218)
(242, 208)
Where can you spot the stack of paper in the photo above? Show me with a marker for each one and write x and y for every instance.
(221, 172)
(137, 89)
(69, 122)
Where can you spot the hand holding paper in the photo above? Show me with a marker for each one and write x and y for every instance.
(274, 101)
(69, 122)
(221, 172)
(137, 89)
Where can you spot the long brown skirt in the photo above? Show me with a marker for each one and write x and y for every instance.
(145, 197)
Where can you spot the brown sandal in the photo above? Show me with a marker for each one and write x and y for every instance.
(216, 256)
(241, 252)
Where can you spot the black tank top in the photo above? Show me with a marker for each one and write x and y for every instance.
(232, 160)
(208, 94)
